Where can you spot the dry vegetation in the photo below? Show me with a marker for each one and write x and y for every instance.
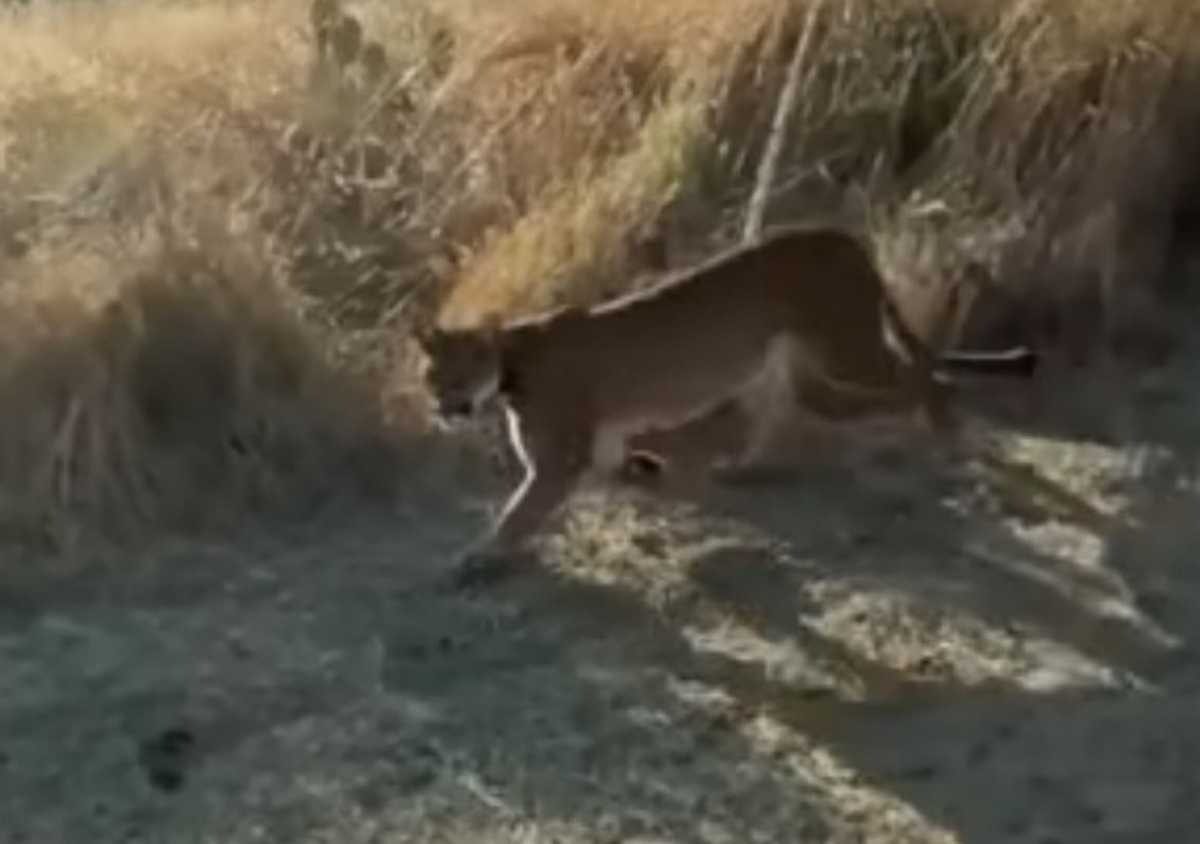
(218, 221)
(215, 221)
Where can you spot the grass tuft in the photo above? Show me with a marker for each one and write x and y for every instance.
(216, 220)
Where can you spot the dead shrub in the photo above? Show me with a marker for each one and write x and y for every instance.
(195, 397)
(472, 158)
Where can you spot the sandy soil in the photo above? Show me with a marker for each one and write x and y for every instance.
(886, 649)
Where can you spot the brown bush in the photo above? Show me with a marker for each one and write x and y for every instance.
(503, 159)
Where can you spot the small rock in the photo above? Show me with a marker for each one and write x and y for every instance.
(164, 757)
(650, 544)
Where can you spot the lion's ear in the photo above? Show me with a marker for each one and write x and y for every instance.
(491, 327)
(427, 335)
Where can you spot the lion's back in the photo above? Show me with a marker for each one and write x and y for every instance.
(701, 329)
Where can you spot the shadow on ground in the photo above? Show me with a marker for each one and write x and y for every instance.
(892, 649)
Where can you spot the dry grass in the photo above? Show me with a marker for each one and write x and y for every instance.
(208, 239)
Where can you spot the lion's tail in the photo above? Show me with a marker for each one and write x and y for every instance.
(1018, 361)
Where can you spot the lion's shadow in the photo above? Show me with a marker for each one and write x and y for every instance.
(938, 742)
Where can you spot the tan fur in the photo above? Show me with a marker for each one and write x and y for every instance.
(755, 324)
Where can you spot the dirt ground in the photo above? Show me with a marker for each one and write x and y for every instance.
(886, 648)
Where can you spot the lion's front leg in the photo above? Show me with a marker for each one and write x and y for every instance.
(553, 461)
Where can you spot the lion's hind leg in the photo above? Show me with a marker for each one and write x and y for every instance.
(770, 402)
(913, 365)
(642, 467)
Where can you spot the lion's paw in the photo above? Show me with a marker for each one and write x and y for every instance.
(483, 567)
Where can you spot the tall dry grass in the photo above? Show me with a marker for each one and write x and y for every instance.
(210, 241)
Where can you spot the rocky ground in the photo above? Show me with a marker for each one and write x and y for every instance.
(885, 648)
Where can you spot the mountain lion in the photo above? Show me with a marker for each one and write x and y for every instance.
(754, 324)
